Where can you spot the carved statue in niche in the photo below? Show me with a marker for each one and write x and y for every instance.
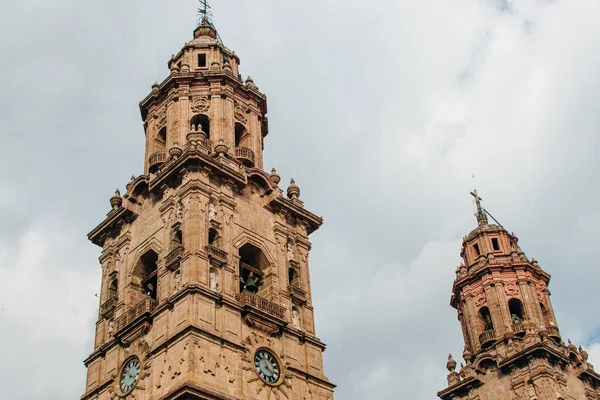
(111, 328)
(212, 211)
(179, 210)
(290, 251)
(213, 280)
(177, 284)
(531, 391)
(296, 318)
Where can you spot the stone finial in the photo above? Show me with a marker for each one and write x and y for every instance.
(584, 354)
(227, 67)
(451, 364)
(250, 82)
(116, 201)
(221, 148)
(175, 151)
(293, 191)
(467, 355)
(275, 176)
(155, 86)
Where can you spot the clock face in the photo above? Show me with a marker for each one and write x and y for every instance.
(129, 375)
(266, 366)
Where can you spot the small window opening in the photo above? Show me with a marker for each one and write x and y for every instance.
(201, 60)
(293, 277)
(200, 120)
(241, 135)
(177, 238)
(486, 319)
(213, 235)
(516, 310)
(495, 244)
(476, 248)
(113, 290)
(546, 317)
(147, 272)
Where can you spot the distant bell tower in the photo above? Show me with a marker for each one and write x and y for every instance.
(513, 346)
(205, 283)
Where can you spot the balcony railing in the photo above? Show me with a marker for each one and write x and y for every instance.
(487, 337)
(174, 256)
(156, 160)
(216, 253)
(108, 307)
(518, 327)
(553, 331)
(297, 292)
(252, 300)
(147, 305)
(245, 155)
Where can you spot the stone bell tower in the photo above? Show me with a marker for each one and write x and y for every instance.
(205, 281)
(513, 346)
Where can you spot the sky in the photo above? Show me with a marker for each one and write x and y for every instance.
(381, 111)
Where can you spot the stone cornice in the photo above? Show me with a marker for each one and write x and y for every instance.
(313, 221)
(175, 79)
(462, 385)
(306, 375)
(111, 226)
(197, 154)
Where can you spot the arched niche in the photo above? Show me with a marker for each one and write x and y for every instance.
(200, 120)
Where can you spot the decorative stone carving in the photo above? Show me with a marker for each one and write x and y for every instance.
(200, 105)
(111, 328)
(511, 289)
(177, 284)
(480, 299)
(212, 211)
(161, 118)
(295, 318)
(290, 251)
(213, 280)
(240, 114)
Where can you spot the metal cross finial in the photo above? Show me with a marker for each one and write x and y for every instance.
(478, 199)
(481, 213)
(204, 10)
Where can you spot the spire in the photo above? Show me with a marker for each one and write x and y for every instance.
(480, 214)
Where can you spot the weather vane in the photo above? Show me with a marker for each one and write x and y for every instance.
(204, 11)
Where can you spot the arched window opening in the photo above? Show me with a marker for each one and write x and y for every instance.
(242, 137)
(146, 273)
(293, 277)
(486, 319)
(213, 237)
(161, 138)
(113, 289)
(177, 238)
(200, 120)
(516, 311)
(252, 265)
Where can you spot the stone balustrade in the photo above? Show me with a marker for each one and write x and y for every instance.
(245, 155)
(147, 305)
(297, 292)
(174, 256)
(486, 337)
(108, 307)
(250, 299)
(156, 159)
(216, 253)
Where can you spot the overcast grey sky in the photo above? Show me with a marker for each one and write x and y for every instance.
(380, 110)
